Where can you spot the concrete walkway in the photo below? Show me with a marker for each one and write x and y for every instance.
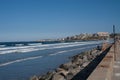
(116, 67)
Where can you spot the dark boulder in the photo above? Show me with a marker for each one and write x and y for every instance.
(66, 66)
(58, 76)
(48, 76)
(34, 78)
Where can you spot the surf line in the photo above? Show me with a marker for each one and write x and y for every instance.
(71, 50)
(19, 60)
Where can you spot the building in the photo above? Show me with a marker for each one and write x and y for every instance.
(103, 34)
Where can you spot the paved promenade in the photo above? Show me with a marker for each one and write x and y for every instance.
(116, 67)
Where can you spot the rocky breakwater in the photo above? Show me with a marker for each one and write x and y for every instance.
(68, 70)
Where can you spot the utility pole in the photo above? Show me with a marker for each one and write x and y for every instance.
(114, 42)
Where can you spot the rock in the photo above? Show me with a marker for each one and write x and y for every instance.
(77, 61)
(94, 51)
(80, 61)
(43, 77)
(99, 48)
(59, 69)
(89, 52)
(72, 73)
(58, 76)
(66, 66)
(75, 71)
(75, 66)
(89, 57)
(85, 59)
(48, 76)
(64, 73)
(85, 64)
(34, 78)
(69, 76)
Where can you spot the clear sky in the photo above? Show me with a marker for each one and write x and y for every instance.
(42, 19)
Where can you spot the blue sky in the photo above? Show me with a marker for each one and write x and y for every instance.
(42, 19)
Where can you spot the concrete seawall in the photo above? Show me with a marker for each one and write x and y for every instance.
(105, 69)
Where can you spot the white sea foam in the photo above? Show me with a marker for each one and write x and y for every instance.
(36, 47)
(30, 58)
(19, 60)
(60, 52)
(35, 44)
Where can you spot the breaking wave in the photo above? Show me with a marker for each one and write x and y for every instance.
(19, 60)
(36, 47)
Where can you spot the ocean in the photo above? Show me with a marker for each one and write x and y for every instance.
(22, 60)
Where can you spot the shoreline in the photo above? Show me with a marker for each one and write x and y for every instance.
(68, 70)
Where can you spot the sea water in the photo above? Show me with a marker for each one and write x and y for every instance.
(20, 61)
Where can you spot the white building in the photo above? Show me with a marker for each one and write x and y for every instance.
(104, 34)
